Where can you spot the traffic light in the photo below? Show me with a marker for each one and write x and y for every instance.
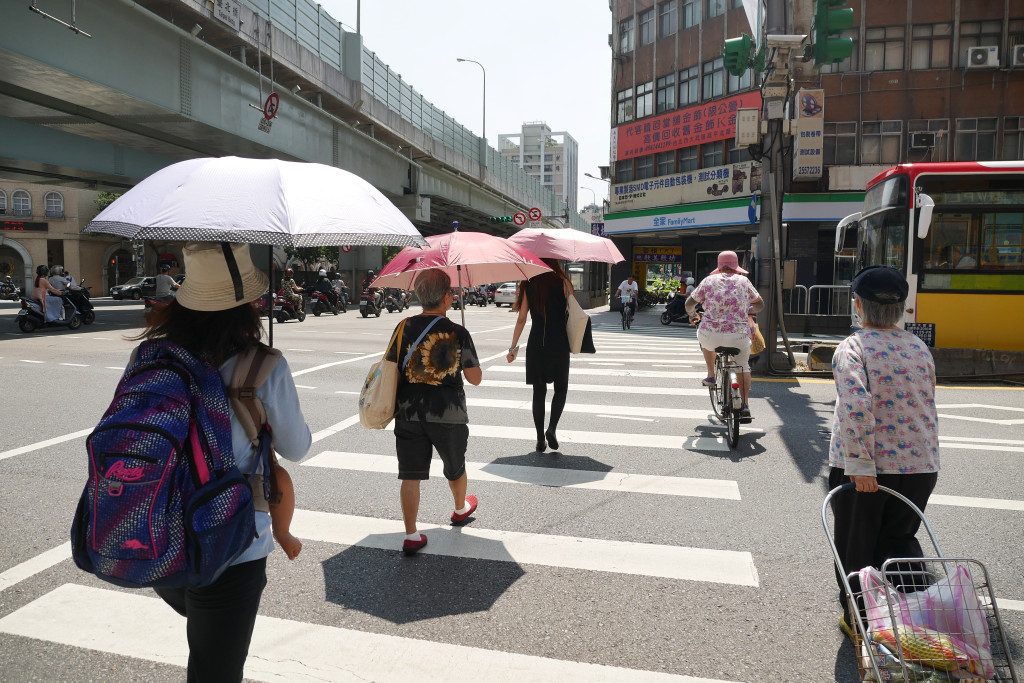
(737, 54)
(831, 19)
(500, 219)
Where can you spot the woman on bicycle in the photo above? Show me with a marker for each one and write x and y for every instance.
(728, 299)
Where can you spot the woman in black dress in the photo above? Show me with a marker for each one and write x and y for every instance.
(547, 351)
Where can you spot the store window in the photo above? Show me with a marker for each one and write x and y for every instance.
(880, 142)
(624, 171)
(715, 8)
(54, 205)
(645, 167)
(22, 202)
(931, 46)
(646, 27)
(839, 143)
(689, 86)
(691, 13)
(688, 159)
(645, 99)
(626, 35)
(666, 163)
(940, 152)
(883, 48)
(665, 99)
(1013, 137)
(667, 21)
(624, 105)
(714, 79)
(713, 154)
(978, 33)
(976, 139)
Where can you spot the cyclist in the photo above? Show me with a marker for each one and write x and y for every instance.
(631, 288)
(728, 299)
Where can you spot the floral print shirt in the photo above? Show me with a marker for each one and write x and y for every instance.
(726, 298)
(885, 419)
(430, 388)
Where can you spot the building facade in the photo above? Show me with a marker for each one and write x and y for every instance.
(928, 81)
(550, 156)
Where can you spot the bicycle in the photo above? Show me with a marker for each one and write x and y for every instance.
(726, 400)
(626, 322)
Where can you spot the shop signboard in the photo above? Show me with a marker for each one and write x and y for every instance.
(810, 123)
(695, 125)
(658, 254)
(23, 226)
(720, 182)
(692, 216)
(227, 11)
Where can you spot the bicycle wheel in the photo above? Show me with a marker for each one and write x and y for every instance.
(732, 420)
(715, 391)
(625, 319)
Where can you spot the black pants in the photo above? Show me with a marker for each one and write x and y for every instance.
(871, 528)
(220, 618)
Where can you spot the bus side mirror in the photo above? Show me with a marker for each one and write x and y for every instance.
(841, 229)
(924, 219)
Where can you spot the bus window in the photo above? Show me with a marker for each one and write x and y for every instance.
(883, 239)
(951, 243)
(1002, 239)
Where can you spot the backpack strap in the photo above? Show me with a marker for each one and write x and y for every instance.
(252, 369)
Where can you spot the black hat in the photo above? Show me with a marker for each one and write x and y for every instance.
(881, 284)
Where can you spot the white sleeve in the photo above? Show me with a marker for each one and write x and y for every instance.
(291, 435)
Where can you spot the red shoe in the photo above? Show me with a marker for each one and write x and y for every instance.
(459, 520)
(413, 547)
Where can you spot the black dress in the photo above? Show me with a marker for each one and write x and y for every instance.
(547, 350)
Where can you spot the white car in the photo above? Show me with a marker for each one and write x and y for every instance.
(506, 294)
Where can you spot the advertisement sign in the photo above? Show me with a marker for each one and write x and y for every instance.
(689, 216)
(706, 184)
(807, 149)
(658, 254)
(597, 229)
(22, 226)
(706, 122)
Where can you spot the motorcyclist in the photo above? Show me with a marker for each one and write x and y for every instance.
(165, 284)
(290, 290)
(57, 277)
(373, 291)
(325, 287)
(339, 286)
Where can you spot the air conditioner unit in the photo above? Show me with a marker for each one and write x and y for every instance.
(983, 57)
(1017, 55)
(922, 140)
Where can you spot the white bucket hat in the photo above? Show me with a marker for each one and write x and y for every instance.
(221, 276)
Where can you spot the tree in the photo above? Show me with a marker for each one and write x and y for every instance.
(105, 199)
(310, 255)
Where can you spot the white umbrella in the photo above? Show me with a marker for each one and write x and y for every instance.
(256, 201)
(567, 244)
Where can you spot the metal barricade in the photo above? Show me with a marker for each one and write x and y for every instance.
(794, 304)
(828, 300)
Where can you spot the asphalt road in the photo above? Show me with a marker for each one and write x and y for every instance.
(645, 549)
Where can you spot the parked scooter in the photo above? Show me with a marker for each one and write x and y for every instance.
(284, 308)
(321, 304)
(370, 303)
(31, 316)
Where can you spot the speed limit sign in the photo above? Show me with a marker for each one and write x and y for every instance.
(535, 214)
(519, 218)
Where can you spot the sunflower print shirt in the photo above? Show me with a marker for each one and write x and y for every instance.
(885, 419)
(430, 388)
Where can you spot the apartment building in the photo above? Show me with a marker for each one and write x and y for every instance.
(550, 156)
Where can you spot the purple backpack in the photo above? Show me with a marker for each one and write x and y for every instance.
(164, 505)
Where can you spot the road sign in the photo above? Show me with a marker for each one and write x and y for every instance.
(346, 248)
(519, 218)
(535, 214)
(271, 105)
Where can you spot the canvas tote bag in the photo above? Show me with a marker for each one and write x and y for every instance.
(577, 325)
(377, 398)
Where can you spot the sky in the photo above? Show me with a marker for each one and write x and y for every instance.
(546, 60)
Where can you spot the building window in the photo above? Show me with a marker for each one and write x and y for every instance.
(839, 143)
(3, 202)
(645, 99)
(978, 33)
(976, 139)
(22, 203)
(646, 27)
(940, 152)
(626, 36)
(547, 157)
(714, 79)
(54, 205)
(738, 83)
(645, 167)
(547, 168)
(1013, 138)
(547, 179)
(884, 48)
(666, 96)
(624, 171)
(691, 13)
(930, 46)
(688, 159)
(712, 154)
(735, 155)
(715, 8)
(689, 86)
(735, 4)
(880, 142)
(624, 106)
(666, 163)
(667, 21)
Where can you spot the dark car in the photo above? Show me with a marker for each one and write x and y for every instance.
(136, 288)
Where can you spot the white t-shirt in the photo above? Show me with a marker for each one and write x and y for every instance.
(631, 289)
(164, 284)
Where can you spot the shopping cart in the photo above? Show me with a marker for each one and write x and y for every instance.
(923, 620)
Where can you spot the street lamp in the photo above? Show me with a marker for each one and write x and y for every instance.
(596, 178)
(584, 187)
(483, 159)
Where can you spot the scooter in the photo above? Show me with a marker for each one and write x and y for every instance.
(397, 302)
(321, 304)
(284, 308)
(31, 316)
(370, 303)
(9, 291)
(675, 311)
(80, 299)
(456, 301)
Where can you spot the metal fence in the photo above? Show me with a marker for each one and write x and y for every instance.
(828, 300)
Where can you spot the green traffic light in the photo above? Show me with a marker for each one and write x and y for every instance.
(831, 19)
(737, 54)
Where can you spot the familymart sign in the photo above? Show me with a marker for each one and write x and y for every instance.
(704, 215)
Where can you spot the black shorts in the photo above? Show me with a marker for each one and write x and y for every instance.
(415, 442)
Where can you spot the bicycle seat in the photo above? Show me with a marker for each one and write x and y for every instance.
(727, 350)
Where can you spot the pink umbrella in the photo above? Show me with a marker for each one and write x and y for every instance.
(469, 258)
(567, 244)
